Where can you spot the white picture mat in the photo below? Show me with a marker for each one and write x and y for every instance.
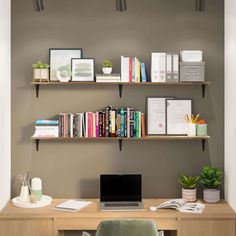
(156, 108)
(62, 57)
(75, 62)
(176, 112)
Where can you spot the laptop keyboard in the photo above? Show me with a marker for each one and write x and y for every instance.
(121, 204)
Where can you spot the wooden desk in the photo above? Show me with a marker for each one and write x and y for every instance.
(216, 220)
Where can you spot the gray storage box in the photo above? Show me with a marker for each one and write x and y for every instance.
(192, 71)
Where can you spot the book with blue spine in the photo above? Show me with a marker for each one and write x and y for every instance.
(143, 73)
(122, 122)
(47, 122)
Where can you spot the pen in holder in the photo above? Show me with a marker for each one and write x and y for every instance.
(192, 125)
(24, 192)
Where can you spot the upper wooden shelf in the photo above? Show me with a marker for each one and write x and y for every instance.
(120, 84)
(120, 139)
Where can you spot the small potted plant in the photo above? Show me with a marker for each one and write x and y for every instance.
(107, 67)
(40, 72)
(189, 185)
(211, 179)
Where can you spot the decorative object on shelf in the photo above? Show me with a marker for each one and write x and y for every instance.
(189, 185)
(40, 72)
(46, 128)
(192, 124)
(38, 5)
(24, 193)
(200, 5)
(201, 128)
(36, 188)
(176, 110)
(211, 179)
(156, 115)
(60, 62)
(83, 69)
(121, 5)
(107, 67)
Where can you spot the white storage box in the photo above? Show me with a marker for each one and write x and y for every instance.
(191, 56)
(192, 71)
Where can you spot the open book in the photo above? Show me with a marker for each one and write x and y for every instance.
(182, 206)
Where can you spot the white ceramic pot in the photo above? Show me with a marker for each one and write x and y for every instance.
(44, 74)
(107, 70)
(192, 130)
(189, 194)
(211, 195)
(36, 74)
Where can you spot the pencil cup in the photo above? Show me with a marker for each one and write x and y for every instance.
(24, 194)
(191, 130)
(202, 130)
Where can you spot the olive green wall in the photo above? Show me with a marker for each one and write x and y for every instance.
(72, 169)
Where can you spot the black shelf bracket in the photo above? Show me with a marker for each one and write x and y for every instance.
(37, 144)
(37, 90)
(120, 144)
(120, 90)
(203, 90)
(203, 145)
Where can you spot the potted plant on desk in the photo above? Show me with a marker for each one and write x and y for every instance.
(107, 67)
(189, 187)
(211, 179)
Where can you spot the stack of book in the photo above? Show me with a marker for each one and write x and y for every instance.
(132, 70)
(46, 128)
(109, 122)
(102, 78)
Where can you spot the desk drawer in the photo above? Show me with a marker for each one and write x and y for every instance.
(92, 223)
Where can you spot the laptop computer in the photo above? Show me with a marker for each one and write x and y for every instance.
(121, 192)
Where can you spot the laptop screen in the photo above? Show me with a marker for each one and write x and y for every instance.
(121, 188)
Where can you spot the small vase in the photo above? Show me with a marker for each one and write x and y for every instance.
(36, 75)
(211, 195)
(107, 70)
(191, 130)
(190, 195)
(202, 130)
(24, 194)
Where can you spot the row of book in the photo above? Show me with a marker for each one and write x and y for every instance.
(132, 70)
(109, 122)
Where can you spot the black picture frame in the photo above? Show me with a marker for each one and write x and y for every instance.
(147, 115)
(80, 50)
(83, 59)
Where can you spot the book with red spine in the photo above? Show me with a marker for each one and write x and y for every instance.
(97, 123)
(130, 69)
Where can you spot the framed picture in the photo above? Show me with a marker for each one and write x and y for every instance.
(60, 62)
(176, 110)
(156, 115)
(83, 69)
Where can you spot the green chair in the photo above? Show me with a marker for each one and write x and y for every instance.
(127, 228)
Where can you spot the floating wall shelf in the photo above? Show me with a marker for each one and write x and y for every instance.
(120, 85)
(201, 138)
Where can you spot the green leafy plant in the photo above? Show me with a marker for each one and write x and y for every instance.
(107, 64)
(211, 177)
(40, 65)
(188, 182)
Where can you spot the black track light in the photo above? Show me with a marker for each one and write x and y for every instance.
(121, 5)
(38, 5)
(200, 5)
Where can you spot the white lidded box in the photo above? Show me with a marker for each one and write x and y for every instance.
(191, 56)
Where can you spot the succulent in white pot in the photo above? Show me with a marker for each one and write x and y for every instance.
(107, 67)
(189, 187)
(40, 72)
(211, 179)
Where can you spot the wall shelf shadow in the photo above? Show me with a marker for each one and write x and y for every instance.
(120, 85)
(120, 140)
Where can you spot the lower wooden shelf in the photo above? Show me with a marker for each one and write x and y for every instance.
(120, 139)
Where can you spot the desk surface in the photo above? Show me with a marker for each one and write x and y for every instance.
(213, 211)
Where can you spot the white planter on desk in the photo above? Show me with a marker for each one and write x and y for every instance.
(189, 194)
(211, 195)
